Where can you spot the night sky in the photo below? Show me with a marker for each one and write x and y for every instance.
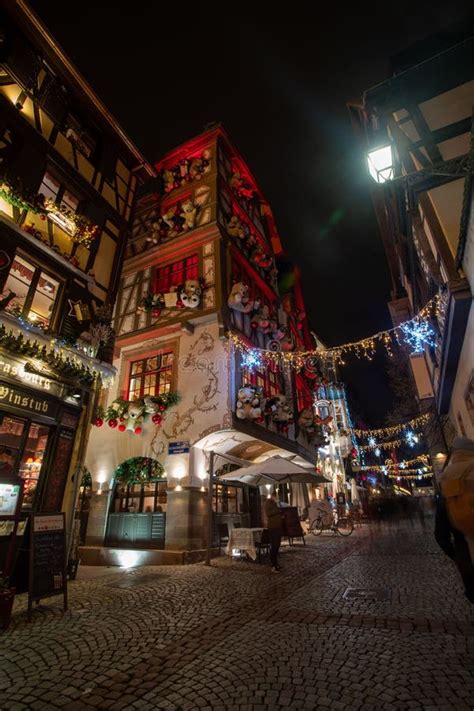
(280, 85)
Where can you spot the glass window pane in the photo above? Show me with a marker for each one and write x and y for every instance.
(69, 201)
(19, 281)
(43, 300)
(11, 431)
(32, 460)
(152, 363)
(49, 187)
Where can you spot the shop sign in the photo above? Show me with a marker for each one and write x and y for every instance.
(178, 447)
(11, 368)
(27, 402)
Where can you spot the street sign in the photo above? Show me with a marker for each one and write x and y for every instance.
(178, 447)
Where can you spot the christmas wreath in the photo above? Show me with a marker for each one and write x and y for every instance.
(139, 470)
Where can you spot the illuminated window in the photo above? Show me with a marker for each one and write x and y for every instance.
(269, 379)
(175, 274)
(36, 292)
(53, 189)
(151, 376)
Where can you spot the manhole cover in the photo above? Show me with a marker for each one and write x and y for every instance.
(135, 580)
(366, 594)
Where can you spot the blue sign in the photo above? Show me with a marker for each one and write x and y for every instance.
(178, 447)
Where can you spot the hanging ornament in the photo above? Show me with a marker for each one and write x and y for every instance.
(418, 334)
(377, 451)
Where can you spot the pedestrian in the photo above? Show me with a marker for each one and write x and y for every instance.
(454, 522)
(275, 528)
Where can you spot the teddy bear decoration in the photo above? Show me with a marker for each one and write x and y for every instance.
(239, 299)
(249, 403)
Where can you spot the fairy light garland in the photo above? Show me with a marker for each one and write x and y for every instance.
(414, 423)
(403, 465)
(399, 477)
(413, 332)
(392, 444)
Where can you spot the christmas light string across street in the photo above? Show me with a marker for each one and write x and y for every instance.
(414, 423)
(417, 333)
(421, 459)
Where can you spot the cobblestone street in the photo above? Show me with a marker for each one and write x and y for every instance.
(234, 636)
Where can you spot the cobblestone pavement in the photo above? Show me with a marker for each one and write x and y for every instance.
(235, 636)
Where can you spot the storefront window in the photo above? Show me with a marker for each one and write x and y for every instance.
(32, 461)
(140, 498)
(228, 499)
(11, 435)
(35, 291)
(151, 376)
(22, 448)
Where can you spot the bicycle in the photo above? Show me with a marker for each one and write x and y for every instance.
(342, 525)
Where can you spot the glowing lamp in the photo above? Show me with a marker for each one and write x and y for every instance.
(380, 163)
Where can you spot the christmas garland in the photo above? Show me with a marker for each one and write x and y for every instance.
(65, 366)
(83, 230)
(131, 414)
(394, 429)
(139, 470)
(14, 198)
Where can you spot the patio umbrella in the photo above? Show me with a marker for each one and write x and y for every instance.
(273, 470)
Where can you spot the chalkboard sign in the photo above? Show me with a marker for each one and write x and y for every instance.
(47, 558)
(291, 523)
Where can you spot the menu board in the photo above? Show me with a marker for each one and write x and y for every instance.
(291, 522)
(47, 574)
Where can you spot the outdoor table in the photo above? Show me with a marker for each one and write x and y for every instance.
(244, 539)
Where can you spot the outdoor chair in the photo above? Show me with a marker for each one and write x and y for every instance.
(223, 533)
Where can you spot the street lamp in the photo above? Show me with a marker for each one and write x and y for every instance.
(380, 162)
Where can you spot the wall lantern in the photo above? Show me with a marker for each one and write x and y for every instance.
(380, 162)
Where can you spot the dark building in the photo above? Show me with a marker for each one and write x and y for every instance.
(68, 178)
(417, 130)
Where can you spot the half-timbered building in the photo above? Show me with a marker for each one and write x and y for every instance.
(200, 279)
(68, 179)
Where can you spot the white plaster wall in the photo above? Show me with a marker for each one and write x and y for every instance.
(203, 383)
(465, 373)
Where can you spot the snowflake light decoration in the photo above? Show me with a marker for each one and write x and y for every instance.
(418, 335)
(402, 465)
(377, 451)
(251, 360)
(372, 441)
(411, 438)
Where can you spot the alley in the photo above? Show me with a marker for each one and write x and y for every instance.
(374, 621)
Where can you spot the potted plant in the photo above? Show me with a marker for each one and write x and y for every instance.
(7, 596)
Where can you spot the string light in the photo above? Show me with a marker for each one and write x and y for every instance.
(392, 444)
(394, 429)
(413, 332)
(389, 465)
